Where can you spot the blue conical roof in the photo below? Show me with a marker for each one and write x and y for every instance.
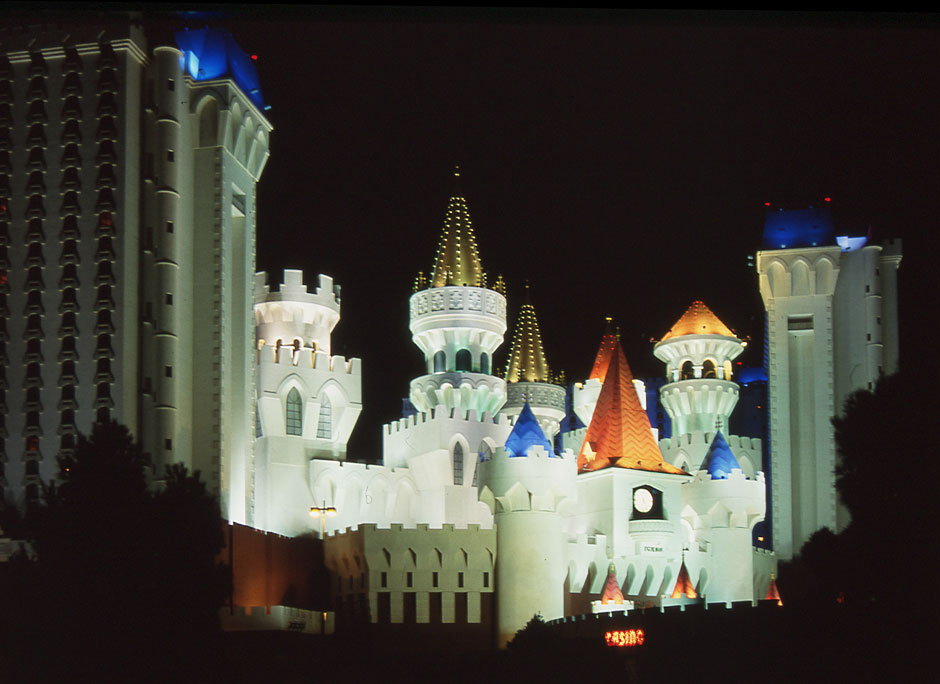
(720, 460)
(527, 433)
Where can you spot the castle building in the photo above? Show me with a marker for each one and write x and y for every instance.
(474, 521)
(127, 236)
(832, 328)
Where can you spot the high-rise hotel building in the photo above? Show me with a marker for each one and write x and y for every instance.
(127, 233)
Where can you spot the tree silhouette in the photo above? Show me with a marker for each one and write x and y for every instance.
(126, 585)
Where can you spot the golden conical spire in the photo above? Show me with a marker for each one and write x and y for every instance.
(527, 358)
(458, 262)
(698, 320)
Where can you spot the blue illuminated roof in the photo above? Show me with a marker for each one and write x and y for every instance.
(720, 460)
(211, 53)
(785, 229)
(751, 374)
(527, 433)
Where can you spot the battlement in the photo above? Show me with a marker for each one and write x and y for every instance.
(690, 439)
(449, 528)
(736, 475)
(308, 358)
(442, 413)
(293, 289)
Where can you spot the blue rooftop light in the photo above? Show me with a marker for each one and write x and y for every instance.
(785, 229)
(212, 53)
(527, 433)
(751, 374)
(720, 460)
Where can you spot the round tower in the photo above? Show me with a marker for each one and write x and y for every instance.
(698, 352)
(293, 318)
(458, 323)
(528, 376)
(527, 485)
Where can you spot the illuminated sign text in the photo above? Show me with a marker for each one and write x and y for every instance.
(625, 637)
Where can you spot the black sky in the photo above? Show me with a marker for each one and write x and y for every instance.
(619, 162)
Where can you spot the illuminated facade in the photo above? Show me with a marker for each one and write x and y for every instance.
(127, 230)
(832, 328)
(472, 494)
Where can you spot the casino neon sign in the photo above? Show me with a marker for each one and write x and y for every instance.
(625, 637)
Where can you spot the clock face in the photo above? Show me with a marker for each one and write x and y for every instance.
(642, 500)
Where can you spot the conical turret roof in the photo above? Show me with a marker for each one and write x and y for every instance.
(612, 592)
(458, 262)
(527, 358)
(620, 432)
(772, 593)
(720, 460)
(698, 320)
(602, 360)
(525, 434)
(684, 584)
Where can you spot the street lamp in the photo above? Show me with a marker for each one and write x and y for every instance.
(322, 512)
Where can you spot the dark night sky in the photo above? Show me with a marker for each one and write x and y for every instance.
(617, 161)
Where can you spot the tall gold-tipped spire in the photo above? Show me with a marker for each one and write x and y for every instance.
(527, 358)
(458, 262)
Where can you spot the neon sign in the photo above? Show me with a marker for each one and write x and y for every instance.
(625, 637)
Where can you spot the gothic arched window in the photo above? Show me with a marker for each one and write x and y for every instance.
(458, 464)
(484, 363)
(295, 408)
(687, 372)
(440, 362)
(325, 424)
(464, 361)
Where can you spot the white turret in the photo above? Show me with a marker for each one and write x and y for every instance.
(528, 378)
(458, 323)
(308, 400)
(527, 485)
(698, 352)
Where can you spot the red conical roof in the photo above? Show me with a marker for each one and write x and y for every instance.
(772, 593)
(620, 432)
(608, 343)
(683, 585)
(612, 593)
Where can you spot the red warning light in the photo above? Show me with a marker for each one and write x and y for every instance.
(766, 204)
(255, 57)
(827, 199)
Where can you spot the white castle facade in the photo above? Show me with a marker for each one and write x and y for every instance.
(471, 497)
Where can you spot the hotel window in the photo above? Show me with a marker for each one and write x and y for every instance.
(294, 412)
(409, 579)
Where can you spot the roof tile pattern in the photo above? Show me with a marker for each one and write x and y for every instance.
(698, 320)
(620, 432)
(602, 360)
(612, 593)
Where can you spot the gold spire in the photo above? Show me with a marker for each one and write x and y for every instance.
(527, 358)
(458, 262)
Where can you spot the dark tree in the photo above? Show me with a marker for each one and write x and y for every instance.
(127, 585)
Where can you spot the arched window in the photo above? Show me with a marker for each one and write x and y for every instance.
(708, 369)
(325, 424)
(464, 361)
(687, 372)
(295, 407)
(458, 464)
(484, 363)
(440, 362)
(727, 368)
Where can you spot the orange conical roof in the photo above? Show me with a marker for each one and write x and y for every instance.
(612, 593)
(608, 342)
(620, 432)
(698, 320)
(683, 584)
(772, 593)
